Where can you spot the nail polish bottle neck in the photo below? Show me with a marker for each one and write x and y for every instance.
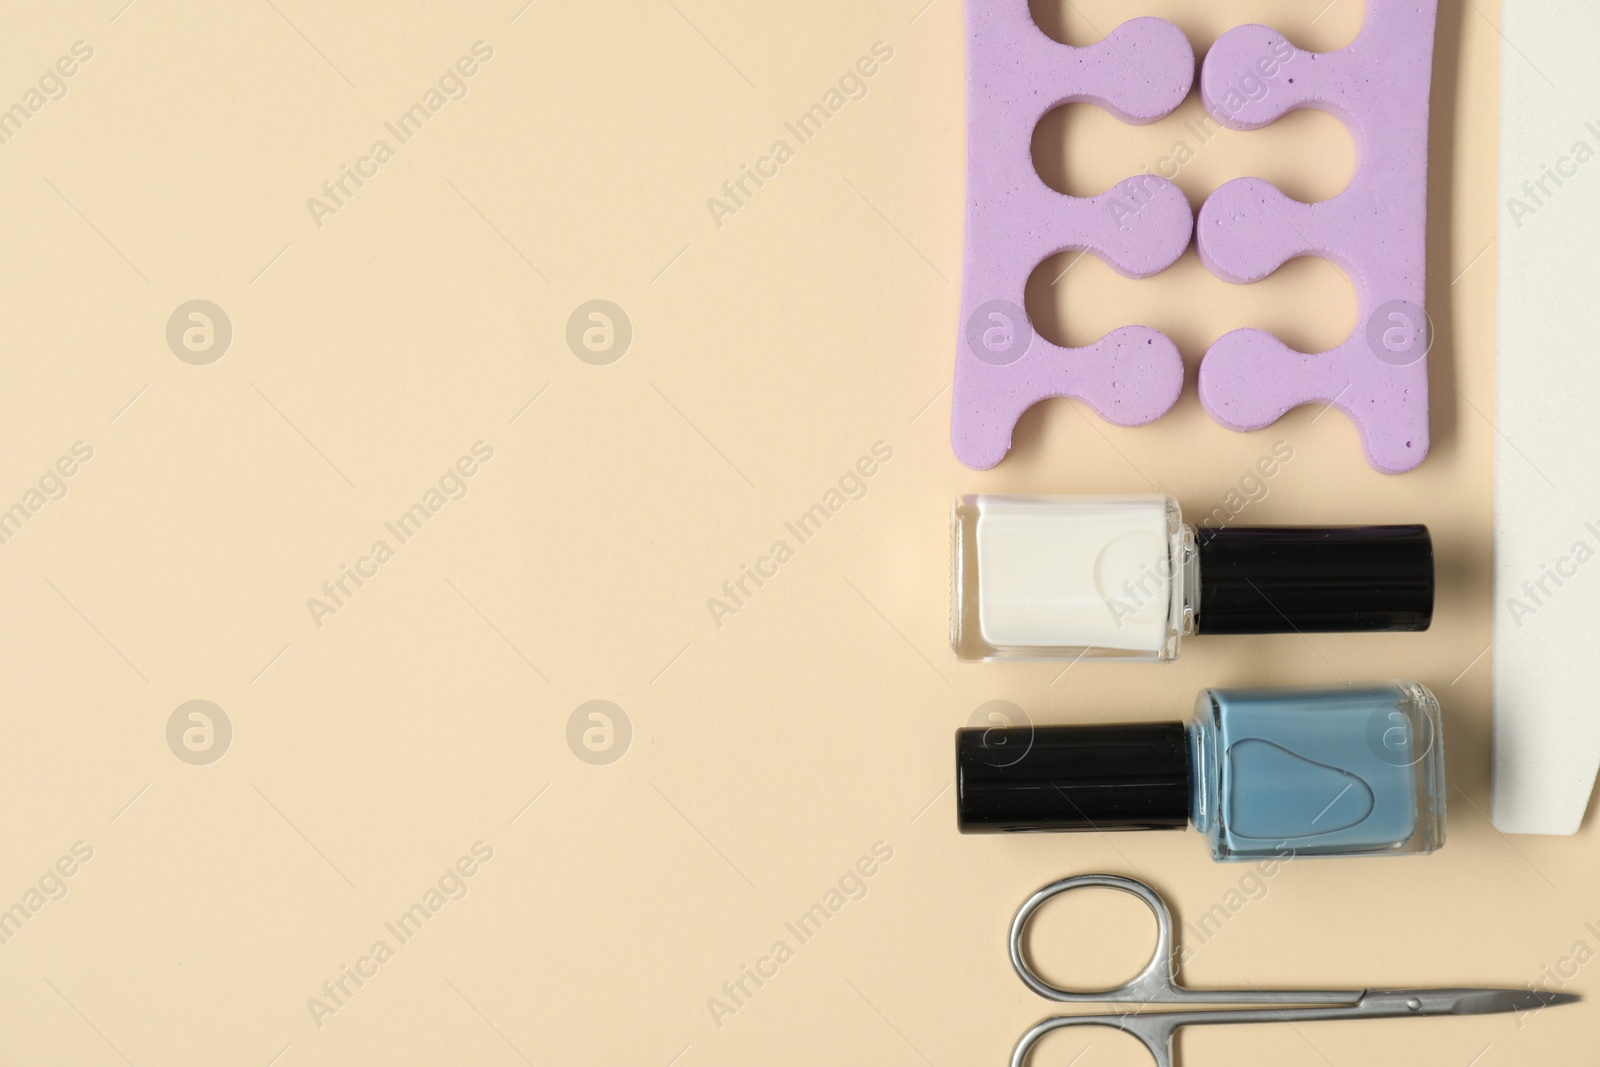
(1205, 795)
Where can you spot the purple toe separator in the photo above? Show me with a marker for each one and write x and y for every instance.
(1015, 75)
(1375, 229)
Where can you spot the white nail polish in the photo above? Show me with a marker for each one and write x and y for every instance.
(1122, 577)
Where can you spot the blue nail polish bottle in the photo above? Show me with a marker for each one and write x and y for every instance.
(1263, 773)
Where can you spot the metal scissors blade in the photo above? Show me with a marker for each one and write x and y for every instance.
(1498, 1001)
(1157, 984)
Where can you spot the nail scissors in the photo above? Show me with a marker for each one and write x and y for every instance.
(1158, 984)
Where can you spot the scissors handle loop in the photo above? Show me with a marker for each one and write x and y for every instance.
(1154, 984)
(1153, 1031)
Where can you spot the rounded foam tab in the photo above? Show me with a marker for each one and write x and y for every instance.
(1375, 230)
(1016, 74)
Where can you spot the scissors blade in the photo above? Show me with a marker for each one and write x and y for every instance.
(1498, 1001)
(1399, 1002)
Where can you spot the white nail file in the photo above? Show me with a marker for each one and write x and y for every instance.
(1547, 404)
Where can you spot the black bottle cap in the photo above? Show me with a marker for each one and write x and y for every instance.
(1341, 579)
(1125, 777)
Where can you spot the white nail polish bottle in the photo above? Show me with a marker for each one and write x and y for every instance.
(1122, 577)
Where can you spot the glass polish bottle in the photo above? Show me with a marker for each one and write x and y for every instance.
(1262, 773)
(1123, 577)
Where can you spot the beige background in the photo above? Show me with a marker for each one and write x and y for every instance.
(767, 754)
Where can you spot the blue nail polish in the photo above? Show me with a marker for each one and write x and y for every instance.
(1263, 773)
(1349, 771)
